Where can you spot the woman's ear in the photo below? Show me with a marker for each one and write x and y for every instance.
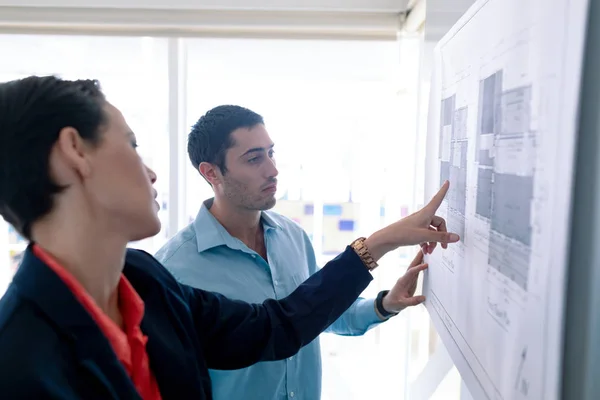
(71, 154)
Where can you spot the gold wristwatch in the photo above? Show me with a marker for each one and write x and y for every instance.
(363, 252)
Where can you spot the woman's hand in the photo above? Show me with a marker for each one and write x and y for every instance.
(422, 227)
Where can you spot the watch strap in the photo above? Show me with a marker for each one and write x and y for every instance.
(379, 305)
(360, 248)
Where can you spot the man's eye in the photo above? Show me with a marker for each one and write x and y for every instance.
(254, 159)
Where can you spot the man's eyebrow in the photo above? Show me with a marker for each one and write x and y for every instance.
(257, 149)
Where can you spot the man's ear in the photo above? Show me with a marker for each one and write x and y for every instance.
(210, 172)
(72, 151)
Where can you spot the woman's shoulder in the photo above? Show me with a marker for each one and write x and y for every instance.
(143, 265)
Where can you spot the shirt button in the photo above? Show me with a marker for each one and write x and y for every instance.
(253, 255)
(276, 282)
(291, 358)
(291, 394)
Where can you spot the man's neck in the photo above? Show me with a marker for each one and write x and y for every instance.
(242, 224)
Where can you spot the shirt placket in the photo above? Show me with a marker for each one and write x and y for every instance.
(279, 287)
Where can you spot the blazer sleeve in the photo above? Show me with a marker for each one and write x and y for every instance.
(236, 334)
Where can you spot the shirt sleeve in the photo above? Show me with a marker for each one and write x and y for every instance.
(236, 334)
(361, 315)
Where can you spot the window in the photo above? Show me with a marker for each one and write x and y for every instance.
(133, 74)
(343, 115)
(333, 111)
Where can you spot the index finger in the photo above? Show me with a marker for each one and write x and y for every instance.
(417, 260)
(418, 268)
(436, 201)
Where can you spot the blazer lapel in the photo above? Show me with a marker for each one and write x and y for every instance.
(170, 350)
(36, 282)
(97, 359)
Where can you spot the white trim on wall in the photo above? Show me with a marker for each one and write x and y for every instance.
(389, 6)
(415, 19)
(177, 68)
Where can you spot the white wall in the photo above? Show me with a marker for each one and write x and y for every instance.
(441, 15)
(317, 5)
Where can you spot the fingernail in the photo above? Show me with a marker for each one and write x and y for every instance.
(454, 237)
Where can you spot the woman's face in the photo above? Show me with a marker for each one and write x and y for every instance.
(118, 185)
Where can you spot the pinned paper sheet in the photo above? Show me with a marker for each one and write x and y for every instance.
(502, 129)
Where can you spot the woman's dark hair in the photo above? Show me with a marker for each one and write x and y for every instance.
(33, 111)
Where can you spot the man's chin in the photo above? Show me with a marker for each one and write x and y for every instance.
(268, 204)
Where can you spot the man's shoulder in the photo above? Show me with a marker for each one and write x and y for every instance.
(291, 237)
(182, 244)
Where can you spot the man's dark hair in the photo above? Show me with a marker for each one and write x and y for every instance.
(211, 135)
(33, 111)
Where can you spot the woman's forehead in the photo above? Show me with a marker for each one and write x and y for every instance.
(116, 120)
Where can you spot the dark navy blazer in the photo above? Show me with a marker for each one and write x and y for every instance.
(50, 348)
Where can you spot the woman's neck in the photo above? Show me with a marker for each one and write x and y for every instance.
(93, 256)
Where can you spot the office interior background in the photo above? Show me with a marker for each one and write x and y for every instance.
(343, 87)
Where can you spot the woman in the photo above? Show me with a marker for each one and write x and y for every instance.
(86, 318)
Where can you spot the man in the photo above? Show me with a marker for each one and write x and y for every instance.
(238, 248)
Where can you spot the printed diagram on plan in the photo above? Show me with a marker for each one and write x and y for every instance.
(496, 106)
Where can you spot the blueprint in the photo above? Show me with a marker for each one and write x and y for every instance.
(502, 129)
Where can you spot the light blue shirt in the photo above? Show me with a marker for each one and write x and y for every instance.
(206, 256)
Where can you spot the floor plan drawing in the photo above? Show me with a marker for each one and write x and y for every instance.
(502, 130)
(453, 161)
(505, 197)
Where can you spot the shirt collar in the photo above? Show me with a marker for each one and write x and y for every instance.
(131, 306)
(210, 233)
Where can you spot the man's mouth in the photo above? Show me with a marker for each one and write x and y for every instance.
(271, 188)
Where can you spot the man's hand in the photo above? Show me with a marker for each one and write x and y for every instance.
(402, 295)
(422, 227)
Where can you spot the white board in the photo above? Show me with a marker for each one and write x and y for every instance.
(502, 129)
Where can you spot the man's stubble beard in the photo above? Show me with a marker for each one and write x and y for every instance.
(237, 193)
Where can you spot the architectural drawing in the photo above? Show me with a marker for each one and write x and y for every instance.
(453, 161)
(505, 198)
(502, 130)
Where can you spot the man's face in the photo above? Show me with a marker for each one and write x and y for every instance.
(250, 178)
